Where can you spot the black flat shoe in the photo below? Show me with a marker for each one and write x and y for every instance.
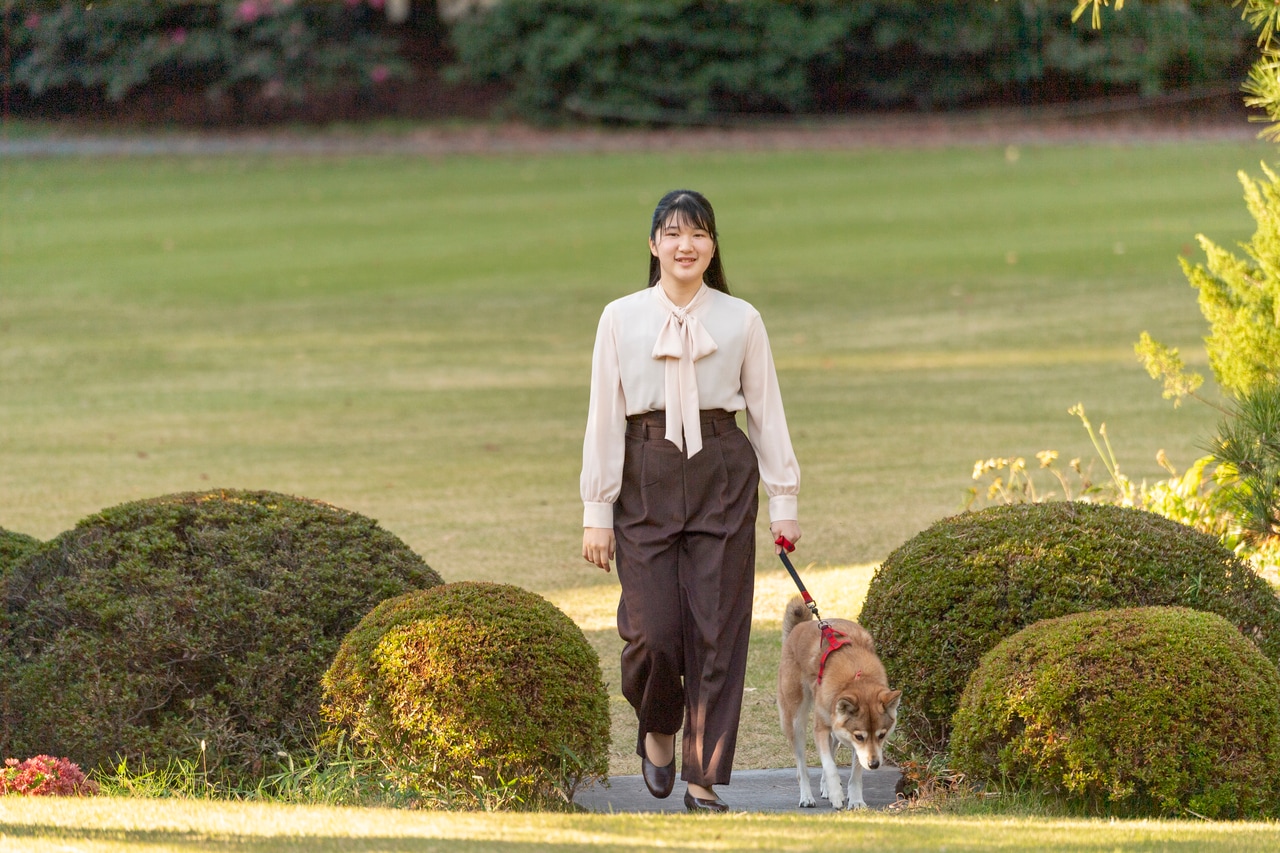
(697, 804)
(659, 780)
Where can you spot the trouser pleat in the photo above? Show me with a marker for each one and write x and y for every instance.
(685, 532)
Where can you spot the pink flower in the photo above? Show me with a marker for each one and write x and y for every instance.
(379, 73)
(376, 4)
(44, 775)
(177, 35)
(249, 11)
(32, 21)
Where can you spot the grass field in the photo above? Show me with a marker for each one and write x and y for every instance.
(137, 826)
(410, 337)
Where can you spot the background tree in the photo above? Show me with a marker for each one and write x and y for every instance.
(1240, 298)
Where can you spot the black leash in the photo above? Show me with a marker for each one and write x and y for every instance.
(831, 638)
(795, 576)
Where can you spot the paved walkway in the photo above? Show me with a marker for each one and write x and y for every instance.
(752, 791)
(1009, 126)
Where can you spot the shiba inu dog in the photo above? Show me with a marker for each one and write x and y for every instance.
(836, 674)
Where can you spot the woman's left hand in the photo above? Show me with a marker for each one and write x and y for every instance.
(788, 528)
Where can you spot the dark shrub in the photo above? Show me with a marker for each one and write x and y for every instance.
(13, 547)
(644, 61)
(1147, 711)
(468, 688)
(952, 592)
(158, 625)
(704, 60)
(287, 50)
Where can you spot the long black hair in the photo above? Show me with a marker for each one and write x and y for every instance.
(688, 208)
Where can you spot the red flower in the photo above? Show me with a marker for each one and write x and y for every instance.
(44, 775)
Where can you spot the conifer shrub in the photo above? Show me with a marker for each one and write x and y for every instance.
(13, 547)
(949, 594)
(1134, 712)
(193, 626)
(473, 695)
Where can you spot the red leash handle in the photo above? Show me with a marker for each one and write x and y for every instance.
(795, 576)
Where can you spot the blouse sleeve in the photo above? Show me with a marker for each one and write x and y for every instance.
(605, 443)
(767, 425)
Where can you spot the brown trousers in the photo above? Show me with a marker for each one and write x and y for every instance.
(685, 533)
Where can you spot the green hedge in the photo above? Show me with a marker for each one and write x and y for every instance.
(629, 60)
(680, 60)
(157, 626)
(13, 547)
(1135, 712)
(275, 49)
(949, 594)
(473, 695)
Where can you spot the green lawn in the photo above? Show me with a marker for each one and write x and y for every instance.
(138, 826)
(410, 338)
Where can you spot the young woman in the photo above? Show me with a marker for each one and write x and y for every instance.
(669, 486)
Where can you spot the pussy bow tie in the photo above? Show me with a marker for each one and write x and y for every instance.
(682, 340)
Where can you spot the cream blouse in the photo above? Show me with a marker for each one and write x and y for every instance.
(651, 355)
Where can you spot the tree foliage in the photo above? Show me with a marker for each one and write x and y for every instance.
(1240, 299)
(694, 60)
(276, 49)
(1249, 441)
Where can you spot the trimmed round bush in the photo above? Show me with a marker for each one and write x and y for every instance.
(1143, 711)
(156, 627)
(473, 695)
(948, 595)
(13, 547)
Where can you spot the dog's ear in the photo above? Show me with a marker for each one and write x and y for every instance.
(889, 699)
(847, 705)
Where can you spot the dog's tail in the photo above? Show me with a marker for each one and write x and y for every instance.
(797, 611)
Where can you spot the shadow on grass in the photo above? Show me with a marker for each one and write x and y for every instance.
(174, 839)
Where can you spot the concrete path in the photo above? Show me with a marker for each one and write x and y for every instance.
(751, 791)
(1003, 126)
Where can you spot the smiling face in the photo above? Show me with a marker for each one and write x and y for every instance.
(684, 251)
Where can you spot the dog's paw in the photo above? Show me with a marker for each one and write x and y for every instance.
(856, 804)
(837, 802)
(808, 803)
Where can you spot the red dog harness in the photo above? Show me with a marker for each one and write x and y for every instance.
(831, 640)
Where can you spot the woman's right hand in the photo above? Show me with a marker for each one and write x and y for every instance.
(597, 546)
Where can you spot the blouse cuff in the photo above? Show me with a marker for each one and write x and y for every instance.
(784, 508)
(597, 514)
